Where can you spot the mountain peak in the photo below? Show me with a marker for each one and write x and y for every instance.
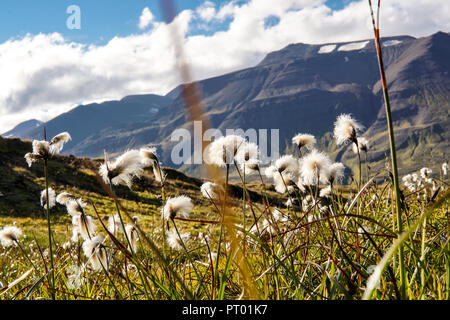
(305, 51)
(22, 129)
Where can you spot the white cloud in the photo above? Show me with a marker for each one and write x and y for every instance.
(146, 18)
(207, 11)
(44, 75)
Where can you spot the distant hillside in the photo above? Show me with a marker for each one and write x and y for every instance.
(21, 186)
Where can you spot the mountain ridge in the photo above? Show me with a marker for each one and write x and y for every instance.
(302, 88)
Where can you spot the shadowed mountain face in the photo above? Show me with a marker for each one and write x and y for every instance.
(87, 123)
(22, 129)
(301, 88)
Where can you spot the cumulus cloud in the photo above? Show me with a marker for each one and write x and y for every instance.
(44, 75)
(207, 11)
(146, 18)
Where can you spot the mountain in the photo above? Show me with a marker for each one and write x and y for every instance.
(22, 129)
(89, 121)
(303, 88)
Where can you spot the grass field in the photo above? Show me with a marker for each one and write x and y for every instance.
(325, 245)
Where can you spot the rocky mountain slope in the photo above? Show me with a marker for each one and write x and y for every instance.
(301, 88)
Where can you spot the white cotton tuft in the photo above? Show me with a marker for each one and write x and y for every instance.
(211, 190)
(132, 235)
(114, 224)
(86, 226)
(95, 251)
(283, 181)
(425, 172)
(51, 196)
(279, 216)
(178, 206)
(40, 151)
(75, 207)
(304, 140)
(123, 169)
(315, 168)
(287, 163)
(247, 151)
(41, 148)
(174, 240)
(223, 151)
(31, 158)
(149, 156)
(336, 172)
(325, 192)
(64, 197)
(444, 168)
(346, 129)
(58, 141)
(363, 145)
(9, 236)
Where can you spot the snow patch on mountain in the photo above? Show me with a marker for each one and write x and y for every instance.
(353, 46)
(327, 49)
(391, 43)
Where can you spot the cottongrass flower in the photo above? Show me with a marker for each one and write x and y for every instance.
(211, 190)
(284, 182)
(58, 141)
(51, 196)
(315, 168)
(250, 166)
(287, 163)
(425, 173)
(279, 216)
(64, 197)
(248, 157)
(178, 206)
(150, 158)
(114, 224)
(304, 140)
(346, 129)
(95, 251)
(363, 145)
(283, 172)
(132, 235)
(336, 172)
(9, 236)
(325, 192)
(66, 245)
(43, 149)
(40, 151)
(75, 207)
(308, 202)
(75, 232)
(74, 280)
(445, 168)
(247, 151)
(123, 169)
(412, 181)
(224, 150)
(85, 225)
(174, 241)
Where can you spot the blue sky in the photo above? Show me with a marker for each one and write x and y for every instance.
(101, 19)
(47, 69)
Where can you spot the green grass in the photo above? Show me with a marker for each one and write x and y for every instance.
(328, 258)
